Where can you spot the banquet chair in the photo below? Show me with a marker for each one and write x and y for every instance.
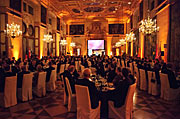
(84, 110)
(71, 98)
(64, 91)
(25, 93)
(153, 87)
(125, 111)
(66, 66)
(55, 66)
(76, 65)
(143, 81)
(131, 68)
(168, 93)
(62, 67)
(40, 89)
(8, 98)
(122, 62)
(136, 74)
(51, 85)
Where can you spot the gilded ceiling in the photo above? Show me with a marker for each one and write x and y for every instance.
(80, 9)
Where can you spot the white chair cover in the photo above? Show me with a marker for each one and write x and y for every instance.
(136, 74)
(27, 87)
(40, 90)
(84, 110)
(55, 66)
(66, 67)
(71, 98)
(124, 112)
(9, 96)
(143, 81)
(131, 68)
(122, 62)
(51, 85)
(76, 65)
(168, 93)
(62, 68)
(65, 96)
(153, 87)
(27, 67)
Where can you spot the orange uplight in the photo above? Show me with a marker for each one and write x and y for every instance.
(16, 47)
(117, 51)
(109, 39)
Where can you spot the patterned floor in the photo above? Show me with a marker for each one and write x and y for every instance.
(51, 107)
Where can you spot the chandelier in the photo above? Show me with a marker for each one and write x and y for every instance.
(13, 30)
(120, 43)
(130, 37)
(63, 42)
(72, 44)
(148, 26)
(47, 38)
(123, 41)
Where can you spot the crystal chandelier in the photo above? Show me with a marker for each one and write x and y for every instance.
(130, 37)
(13, 30)
(47, 38)
(123, 41)
(120, 43)
(63, 42)
(148, 26)
(72, 44)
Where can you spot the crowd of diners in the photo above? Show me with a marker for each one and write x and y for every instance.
(106, 67)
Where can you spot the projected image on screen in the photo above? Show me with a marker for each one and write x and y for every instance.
(96, 44)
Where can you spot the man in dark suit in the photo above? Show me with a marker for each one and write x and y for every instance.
(71, 77)
(111, 73)
(49, 70)
(171, 77)
(5, 73)
(94, 94)
(20, 76)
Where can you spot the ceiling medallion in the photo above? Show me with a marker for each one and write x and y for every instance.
(93, 9)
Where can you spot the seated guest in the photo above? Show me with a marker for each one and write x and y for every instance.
(94, 94)
(20, 76)
(16, 68)
(49, 70)
(8, 73)
(118, 95)
(5, 73)
(72, 78)
(111, 74)
(32, 66)
(36, 75)
(118, 77)
(171, 77)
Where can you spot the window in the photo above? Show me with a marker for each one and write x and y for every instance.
(50, 21)
(16, 5)
(58, 24)
(24, 6)
(43, 14)
(30, 9)
(152, 5)
(141, 11)
(160, 1)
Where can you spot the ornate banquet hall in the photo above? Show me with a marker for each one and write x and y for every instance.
(89, 59)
